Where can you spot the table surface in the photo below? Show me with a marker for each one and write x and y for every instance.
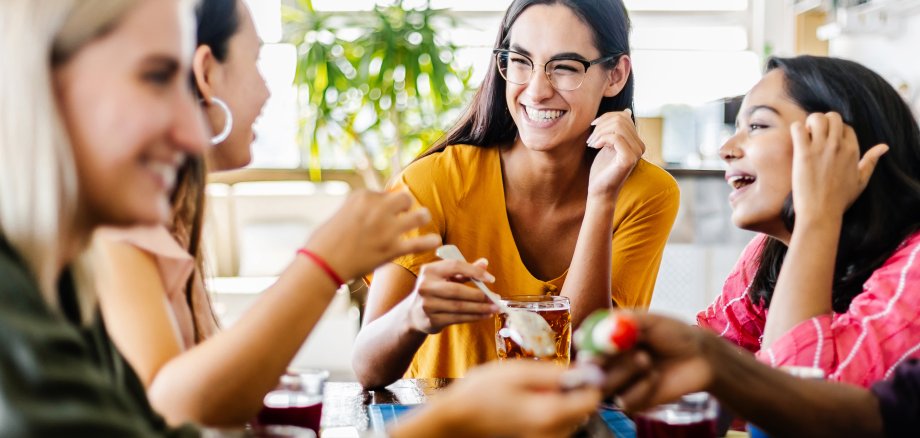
(345, 403)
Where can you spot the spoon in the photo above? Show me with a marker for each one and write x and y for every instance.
(534, 334)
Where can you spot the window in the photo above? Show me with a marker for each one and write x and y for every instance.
(684, 52)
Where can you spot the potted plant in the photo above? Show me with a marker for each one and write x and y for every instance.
(380, 86)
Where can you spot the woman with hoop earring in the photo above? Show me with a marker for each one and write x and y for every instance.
(193, 371)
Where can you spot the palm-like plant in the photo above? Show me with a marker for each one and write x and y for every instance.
(383, 95)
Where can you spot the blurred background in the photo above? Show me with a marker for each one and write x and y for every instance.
(360, 87)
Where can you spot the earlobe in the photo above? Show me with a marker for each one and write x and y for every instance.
(203, 64)
(617, 76)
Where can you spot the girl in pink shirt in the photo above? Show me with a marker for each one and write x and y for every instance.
(825, 163)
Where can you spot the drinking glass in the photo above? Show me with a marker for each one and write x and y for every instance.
(693, 416)
(297, 401)
(555, 310)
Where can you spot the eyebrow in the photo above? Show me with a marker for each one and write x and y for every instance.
(750, 111)
(161, 61)
(564, 55)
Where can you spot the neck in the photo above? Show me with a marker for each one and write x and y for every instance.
(545, 176)
(74, 239)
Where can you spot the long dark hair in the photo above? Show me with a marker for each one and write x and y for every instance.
(218, 21)
(487, 121)
(888, 211)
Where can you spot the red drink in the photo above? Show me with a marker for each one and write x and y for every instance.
(693, 416)
(647, 427)
(292, 408)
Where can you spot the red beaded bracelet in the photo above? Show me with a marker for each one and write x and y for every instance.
(323, 265)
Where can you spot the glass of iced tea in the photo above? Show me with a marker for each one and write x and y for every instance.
(554, 309)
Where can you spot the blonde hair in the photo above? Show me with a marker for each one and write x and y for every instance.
(38, 175)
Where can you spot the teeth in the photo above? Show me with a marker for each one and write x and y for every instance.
(739, 181)
(167, 171)
(542, 115)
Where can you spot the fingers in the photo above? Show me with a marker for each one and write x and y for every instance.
(457, 307)
(559, 412)
(398, 201)
(868, 162)
(541, 376)
(448, 290)
(620, 123)
(817, 126)
(835, 129)
(447, 269)
(412, 219)
(418, 244)
(800, 137)
(640, 394)
(625, 368)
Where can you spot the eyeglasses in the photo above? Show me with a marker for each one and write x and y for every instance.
(565, 74)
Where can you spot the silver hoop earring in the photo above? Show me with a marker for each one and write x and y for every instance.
(228, 121)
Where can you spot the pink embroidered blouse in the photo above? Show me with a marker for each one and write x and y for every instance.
(880, 330)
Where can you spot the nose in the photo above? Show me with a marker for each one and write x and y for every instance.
(539, 87)
(188, 133)
(730, 151)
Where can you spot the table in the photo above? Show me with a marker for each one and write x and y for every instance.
(345, 403)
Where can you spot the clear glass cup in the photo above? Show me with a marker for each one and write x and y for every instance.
(297, 401)
(556, 310)
(693, 416)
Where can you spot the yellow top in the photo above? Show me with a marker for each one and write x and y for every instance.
(462, 188)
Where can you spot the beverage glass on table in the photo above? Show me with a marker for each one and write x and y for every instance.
(693, 416)
(555, 310)
(298, 400)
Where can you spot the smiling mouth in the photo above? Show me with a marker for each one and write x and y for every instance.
(543, 115)
(741, 181)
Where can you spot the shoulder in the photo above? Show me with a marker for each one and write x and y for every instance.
(144, 252)
(455, 173)
(154, 240)
(453, 163)
(901, 270)
(650, 183)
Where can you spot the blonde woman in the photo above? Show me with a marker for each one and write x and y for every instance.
(95, 118)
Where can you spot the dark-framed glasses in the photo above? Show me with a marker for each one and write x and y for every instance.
(565, 74)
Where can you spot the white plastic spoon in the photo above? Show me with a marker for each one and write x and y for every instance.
(534, 333)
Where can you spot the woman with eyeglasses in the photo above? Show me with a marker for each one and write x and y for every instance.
(543, 179)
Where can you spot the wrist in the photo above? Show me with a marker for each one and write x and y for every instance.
(322, 264)
(714, 351)
(601, 204)
(412, 321)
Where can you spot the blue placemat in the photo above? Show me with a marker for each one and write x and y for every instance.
(383, 414)
(618, 422)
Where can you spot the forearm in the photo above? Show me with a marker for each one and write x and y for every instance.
(587, 284)
(787, 406)
(223, 380)
(805, 282)
(385, 347)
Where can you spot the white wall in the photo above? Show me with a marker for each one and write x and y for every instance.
(896, 57)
